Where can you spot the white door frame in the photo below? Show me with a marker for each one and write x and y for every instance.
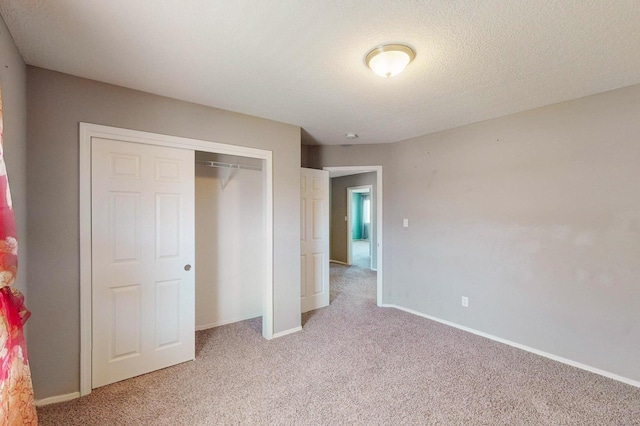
(89, 131)
(378, 171)
(350, 191)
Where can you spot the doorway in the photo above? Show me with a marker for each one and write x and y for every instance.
(359, 223)
(376, 210)
(91, 132)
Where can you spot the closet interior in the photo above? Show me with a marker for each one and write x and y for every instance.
(229, 239)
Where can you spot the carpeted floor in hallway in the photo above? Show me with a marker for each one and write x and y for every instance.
(361, 255)
(356, 363)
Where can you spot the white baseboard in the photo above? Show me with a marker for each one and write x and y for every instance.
(290, 331)
(56, 399)
(225, 322)
(572, 363)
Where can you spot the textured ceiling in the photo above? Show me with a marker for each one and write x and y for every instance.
(301, 62)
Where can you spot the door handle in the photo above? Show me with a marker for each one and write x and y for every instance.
(187, 267)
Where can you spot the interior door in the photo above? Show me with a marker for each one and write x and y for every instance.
(142, 258)
(314, 239)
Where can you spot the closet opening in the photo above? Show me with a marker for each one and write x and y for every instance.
(229, 239)
(149, 162)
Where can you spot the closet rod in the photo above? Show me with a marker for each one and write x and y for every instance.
(227, 165)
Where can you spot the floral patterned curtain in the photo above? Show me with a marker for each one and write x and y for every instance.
(16, 391)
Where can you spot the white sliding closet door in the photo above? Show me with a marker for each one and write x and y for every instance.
(142, 234)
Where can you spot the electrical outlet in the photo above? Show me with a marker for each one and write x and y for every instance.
(465, 301)
(405, 223)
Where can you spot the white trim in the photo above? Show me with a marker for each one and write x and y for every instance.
(85, 260)
(289, 331)
(338, 261)
(348, 231)
(89, 131)
(56, 399)
(225, 322)
(379, 219)
(267, 292)
(350, 191)
(523, 347)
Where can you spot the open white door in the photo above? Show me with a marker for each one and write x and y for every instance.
(142, 231)
(314, 239)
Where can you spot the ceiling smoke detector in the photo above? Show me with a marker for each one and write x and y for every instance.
(389, 59)
(351, 136)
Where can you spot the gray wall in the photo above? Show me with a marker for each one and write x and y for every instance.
(339, 211)
(14, 108)
(534, 216)
(305, 153)
(56, 104)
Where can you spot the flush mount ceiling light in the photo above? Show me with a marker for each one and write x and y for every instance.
(389, 59)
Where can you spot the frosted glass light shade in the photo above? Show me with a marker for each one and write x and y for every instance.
(389, 59)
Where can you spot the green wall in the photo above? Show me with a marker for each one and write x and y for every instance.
(356, 216)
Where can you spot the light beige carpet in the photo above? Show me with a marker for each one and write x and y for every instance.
(360, 255)
(355, 363)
